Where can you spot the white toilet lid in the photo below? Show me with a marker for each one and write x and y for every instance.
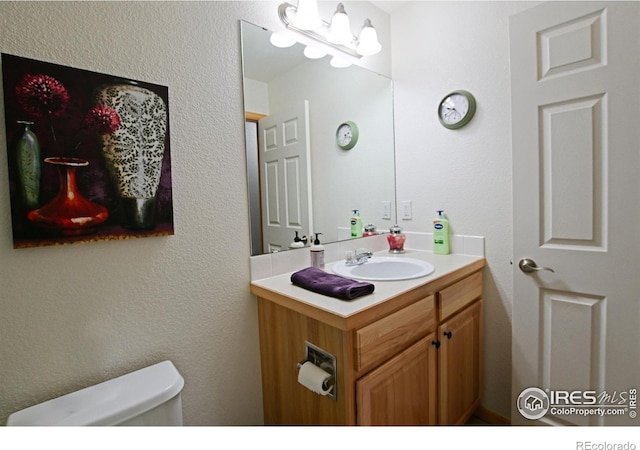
(107, 403)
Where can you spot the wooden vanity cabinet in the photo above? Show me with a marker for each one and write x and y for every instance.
(414, 359)
(403, 390)
(459, 366)
(460, 350)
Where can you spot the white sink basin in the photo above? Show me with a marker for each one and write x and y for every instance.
(385, 268)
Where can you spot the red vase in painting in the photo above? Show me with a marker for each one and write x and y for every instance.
(69, 213)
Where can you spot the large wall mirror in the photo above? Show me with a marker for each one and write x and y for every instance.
(300, 179)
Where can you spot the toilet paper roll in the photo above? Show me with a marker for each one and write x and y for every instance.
(314, 378)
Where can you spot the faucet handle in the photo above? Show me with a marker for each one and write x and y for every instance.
(350, 257)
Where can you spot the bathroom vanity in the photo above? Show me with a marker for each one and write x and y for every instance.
(410, 353)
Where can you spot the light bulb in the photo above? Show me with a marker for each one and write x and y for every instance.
(307, 16)
(368, 40)
(340, 30)
(281, 41)
(340, 63)
(312, 52)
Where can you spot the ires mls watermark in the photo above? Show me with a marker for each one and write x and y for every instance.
(534, 403)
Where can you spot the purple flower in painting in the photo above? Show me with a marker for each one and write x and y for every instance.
(102, 120)
(42, 95)
(45, 97)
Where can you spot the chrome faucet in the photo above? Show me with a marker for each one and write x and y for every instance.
(358, 257)
(363, 257)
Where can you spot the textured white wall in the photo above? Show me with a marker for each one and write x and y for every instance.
(78, 314)
(75, 315)
(439, 47)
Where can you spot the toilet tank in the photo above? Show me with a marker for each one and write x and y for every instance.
(149, 396)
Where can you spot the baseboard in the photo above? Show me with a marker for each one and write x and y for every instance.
(491, 417)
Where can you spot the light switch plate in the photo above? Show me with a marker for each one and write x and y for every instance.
(406, 210)
(386, 210)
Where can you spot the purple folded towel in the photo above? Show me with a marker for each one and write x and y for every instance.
(324, 283)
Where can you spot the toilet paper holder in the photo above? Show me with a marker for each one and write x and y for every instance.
(324, 360)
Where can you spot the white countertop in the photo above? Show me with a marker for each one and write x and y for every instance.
(384, 290)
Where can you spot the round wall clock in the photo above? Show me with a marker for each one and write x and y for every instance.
(347, 135)
(457, 109)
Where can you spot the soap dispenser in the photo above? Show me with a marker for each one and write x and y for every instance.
(441, 234)
(396, 240)
(356, 224)
(317, 253)
(298, 242)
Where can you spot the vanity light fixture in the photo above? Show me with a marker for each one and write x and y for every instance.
(336, 37)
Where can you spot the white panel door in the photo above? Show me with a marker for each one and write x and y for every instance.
(576, 167)
(285, 176)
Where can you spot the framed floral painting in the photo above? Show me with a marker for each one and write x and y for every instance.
(88, 155)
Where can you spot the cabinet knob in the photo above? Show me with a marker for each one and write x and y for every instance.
(448, 334)
(436, 344)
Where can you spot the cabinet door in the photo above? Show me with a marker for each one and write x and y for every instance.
(459, 365)
(402, 391)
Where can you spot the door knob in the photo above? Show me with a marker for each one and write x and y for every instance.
(529, 265)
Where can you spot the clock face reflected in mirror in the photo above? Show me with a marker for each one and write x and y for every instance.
(344, 135)
(347, 135)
